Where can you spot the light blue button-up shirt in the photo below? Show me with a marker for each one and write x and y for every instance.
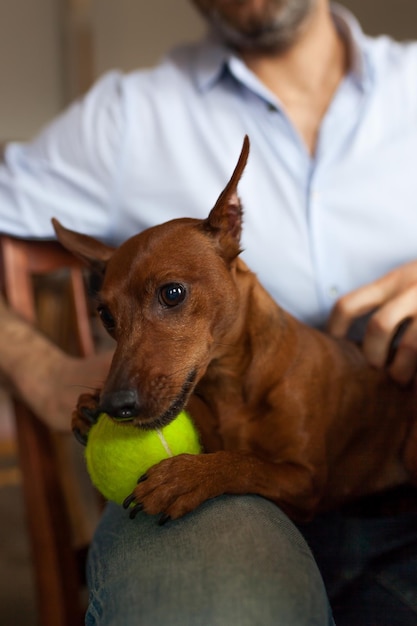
(152, 145)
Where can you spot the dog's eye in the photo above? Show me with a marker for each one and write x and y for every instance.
(172, 294)
(107, 318)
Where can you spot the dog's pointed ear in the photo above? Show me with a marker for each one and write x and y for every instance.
(225, 219)
(92, 252)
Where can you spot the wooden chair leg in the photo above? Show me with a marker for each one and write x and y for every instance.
(53, 559)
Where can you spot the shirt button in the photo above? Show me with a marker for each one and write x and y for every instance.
(334, 292)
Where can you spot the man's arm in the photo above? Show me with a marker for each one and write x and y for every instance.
(70, 170)
(49, 177)
(44, 377)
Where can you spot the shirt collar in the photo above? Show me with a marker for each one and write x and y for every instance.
(214, 60)
(360, 64)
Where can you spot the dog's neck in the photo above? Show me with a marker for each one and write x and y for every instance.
(261, 345)
(261, 332)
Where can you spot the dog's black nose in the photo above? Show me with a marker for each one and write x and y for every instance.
(120, 405)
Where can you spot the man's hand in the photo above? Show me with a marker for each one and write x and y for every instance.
(390, 338)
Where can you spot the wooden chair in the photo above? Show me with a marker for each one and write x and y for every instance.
(60, 517)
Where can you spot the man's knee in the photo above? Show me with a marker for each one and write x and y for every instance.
(235, 560)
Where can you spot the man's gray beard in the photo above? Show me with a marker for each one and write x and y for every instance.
(276, 34)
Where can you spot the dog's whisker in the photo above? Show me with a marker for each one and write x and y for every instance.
(180, 370)
(86, 387)
(225, 345)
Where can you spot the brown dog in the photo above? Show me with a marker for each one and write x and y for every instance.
(284, 411)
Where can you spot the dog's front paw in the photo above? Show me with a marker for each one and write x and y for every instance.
(173, 487)
(85, 415)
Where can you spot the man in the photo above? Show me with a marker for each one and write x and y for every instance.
(330, 227)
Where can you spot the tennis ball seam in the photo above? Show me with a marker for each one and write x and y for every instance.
(164, 442)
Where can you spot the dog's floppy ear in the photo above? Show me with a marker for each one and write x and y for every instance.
(225, 219)
(92, 252)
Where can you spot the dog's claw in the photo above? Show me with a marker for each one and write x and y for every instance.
(80, 437)
(128, 501)
(136, 509)
(142, 478)
(90, 415)
(164, 519)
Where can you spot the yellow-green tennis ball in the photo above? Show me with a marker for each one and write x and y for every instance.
(117, 454)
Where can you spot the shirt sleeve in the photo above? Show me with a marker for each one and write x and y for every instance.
(70, 170)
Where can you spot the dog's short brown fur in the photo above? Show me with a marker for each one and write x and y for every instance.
(284, 411)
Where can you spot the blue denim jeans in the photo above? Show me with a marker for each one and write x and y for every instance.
(235, 561)
(369, 565)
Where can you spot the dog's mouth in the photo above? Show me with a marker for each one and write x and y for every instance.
(176, 407)
(133, 413)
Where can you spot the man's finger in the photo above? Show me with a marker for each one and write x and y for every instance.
(403, 365)
(353, 305)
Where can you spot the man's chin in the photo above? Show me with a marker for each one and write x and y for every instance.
(266, 40)
(257, 25)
